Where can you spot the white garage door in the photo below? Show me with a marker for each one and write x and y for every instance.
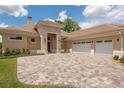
(81, 47)
(104, 47)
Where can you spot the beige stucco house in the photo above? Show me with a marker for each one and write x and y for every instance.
(49, 37)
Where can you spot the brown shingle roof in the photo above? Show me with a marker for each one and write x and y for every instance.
(49, 23)
(18, 29)
(21, 28)
(64, 34)
(96, 29)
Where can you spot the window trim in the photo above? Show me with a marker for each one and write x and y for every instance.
(99, 41)
(88, 42)
(106, 41)
(9, 39)
(83, 42)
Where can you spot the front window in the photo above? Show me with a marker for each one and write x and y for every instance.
(15, 38)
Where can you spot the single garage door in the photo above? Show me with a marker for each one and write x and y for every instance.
(104, 47)
(81, 47)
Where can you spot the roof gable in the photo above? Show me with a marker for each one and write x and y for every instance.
(48, 23)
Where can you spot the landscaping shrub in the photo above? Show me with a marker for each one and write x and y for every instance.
(23, 50)
(116, 57)
(27, 51)
(122, 59)
(13, 52)
(18, 51)
(7, 52)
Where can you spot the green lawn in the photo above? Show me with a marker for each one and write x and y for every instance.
(8, 73)
(8, 76)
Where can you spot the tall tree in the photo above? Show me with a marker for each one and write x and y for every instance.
(0, 45)
(70, 25)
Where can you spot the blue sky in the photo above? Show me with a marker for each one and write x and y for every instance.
(85, 16)
(42, 12)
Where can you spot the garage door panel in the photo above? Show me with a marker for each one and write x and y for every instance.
(104, 47)
(81, 47)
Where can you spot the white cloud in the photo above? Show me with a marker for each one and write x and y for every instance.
(49, 19)
(62, 15)
(3, 25)
(95, 11)
(14, 10)
(96, 15)
(108, 11)
(88, 24)
(77, 5)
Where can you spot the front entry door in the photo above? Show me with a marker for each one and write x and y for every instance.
(51, 42)
(48, 47)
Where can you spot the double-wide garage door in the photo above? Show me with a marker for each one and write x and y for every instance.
(101, 47)
(104, 47)
(81, 47)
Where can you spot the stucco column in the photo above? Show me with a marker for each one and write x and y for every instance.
(46, 44)
(41, 42)
(93, 47)
(122, 42)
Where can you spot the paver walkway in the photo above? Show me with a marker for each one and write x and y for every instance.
(72, 69)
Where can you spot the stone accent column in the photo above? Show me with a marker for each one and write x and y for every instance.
(43, 46)
(122, 42)
(58, 43)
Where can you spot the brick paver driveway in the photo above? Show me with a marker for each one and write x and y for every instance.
(74, 69)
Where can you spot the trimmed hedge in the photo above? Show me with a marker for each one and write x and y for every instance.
(14, 52)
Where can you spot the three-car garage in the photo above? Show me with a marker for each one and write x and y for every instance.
(100, 46)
